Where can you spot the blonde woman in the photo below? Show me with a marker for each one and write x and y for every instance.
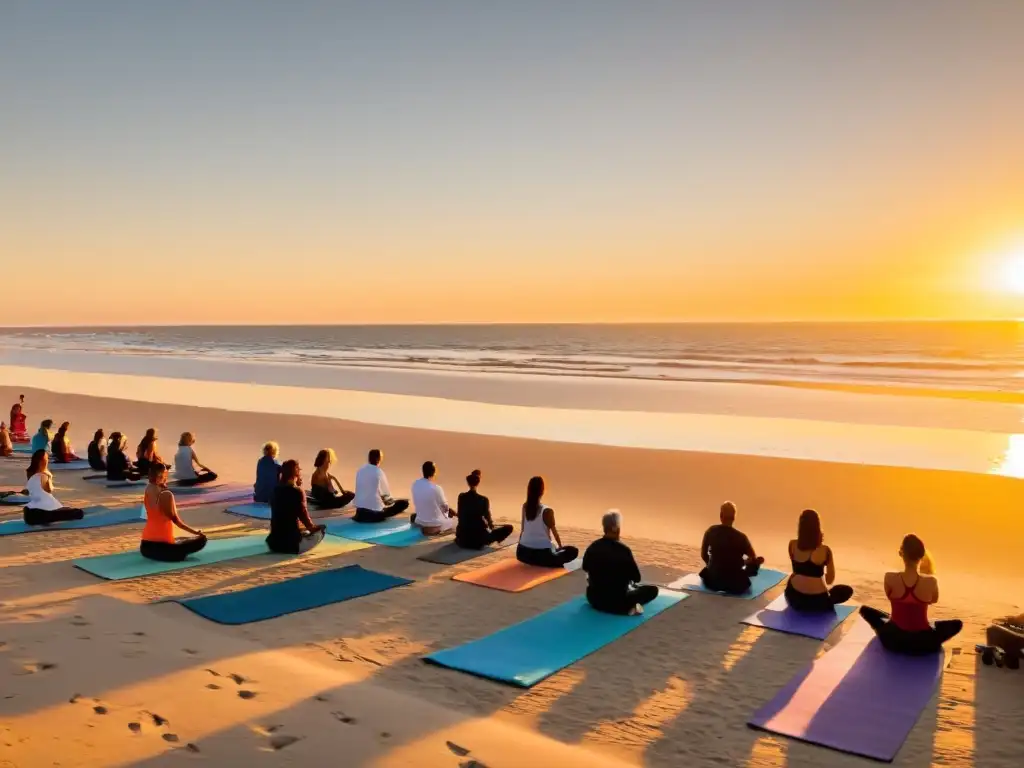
(186, 464)
(268, 474)
(323, 484)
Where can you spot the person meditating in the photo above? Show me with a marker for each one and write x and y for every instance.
(613, 578)
(43, 507)
(60, 447)
(97, 451)
(119, 467)
(186, 464)
(288, 511)
(19, 422)
(910, 591)
(41, 439)
(268, 474)
(538, 535)
(373, 500)
(729, 558)
(432, 513)
(6, 444)
(148, 452)
(158, 542)
(476, 529)
(810, 588)
(323, 484)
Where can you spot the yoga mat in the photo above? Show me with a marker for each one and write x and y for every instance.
(766, 579)
(779, 616)
(121, 483)
(510, 575)
(15, 499)
(196, 499)
(302, 594)
(252, 509)
(56, 466)
(857, 698)
(453, 554)
(129, 565)
(23, 447)
(526, 653)
(95, 517)
(349, 529)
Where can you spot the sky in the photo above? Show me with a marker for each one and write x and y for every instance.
(528, 161)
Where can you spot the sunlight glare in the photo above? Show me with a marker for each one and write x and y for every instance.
(1011, 269)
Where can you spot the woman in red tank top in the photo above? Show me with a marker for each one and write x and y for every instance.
(907, 629)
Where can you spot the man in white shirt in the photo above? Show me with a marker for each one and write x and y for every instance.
(373, 500)
(433, 515)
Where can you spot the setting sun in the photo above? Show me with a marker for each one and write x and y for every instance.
(1011, 270)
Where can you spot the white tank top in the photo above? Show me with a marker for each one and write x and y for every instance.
(183, 469)
(37, 497)
(534, 534)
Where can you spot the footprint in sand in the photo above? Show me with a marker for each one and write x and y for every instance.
(281, 741)
(190, 651)
(99, 710)
(246, 695)
(456, 749)
(213, 686)
(171, 737)
(79, 621)
(265, 730)
(135, 727)
(237, 678)
(157, 719)
(341, 717)
(39, 666)
(471, 764)
(74, 697)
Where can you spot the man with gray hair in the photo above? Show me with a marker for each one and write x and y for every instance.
(613, 578)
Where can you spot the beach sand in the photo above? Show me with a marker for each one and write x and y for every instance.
(345, 684)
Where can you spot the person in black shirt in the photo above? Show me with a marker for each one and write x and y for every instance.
(119, 468)
(729, 557)
(98, 452)
(476, 529)
(613, 578)
(287, 511)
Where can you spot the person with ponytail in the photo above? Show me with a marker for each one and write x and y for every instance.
(538, 535)
(910, 591)
(476, 529)
(810, 589)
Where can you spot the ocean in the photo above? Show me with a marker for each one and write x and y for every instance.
(962, 357)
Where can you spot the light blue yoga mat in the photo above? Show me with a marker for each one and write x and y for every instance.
(253, 509)
(57, 466)
(765, 580)
(301, 594)
(350, 529)
(15, 499)
(95, 517)
(779, 616)
(129, 565)
(528, 652)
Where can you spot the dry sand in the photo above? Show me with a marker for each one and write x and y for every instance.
(675, 692)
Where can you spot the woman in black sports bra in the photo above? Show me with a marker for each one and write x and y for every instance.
(810, 588)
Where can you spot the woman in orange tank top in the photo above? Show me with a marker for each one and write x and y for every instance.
(158, 542)
(907, 629)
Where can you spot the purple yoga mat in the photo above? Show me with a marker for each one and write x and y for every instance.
(214, 495)
(857, 698)
(779, 616)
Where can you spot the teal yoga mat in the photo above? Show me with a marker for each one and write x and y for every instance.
(129, 565)
(302, 594)
(372, 532)
(528, 652)
(254, 509)
(95, 517)
(765, 580)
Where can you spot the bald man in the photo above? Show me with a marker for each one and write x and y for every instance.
(730, 559)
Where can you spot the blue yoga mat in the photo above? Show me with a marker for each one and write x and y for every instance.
(129, 565)
(57, 466)
(350, 529)
(301, 594)
(857, 698)
(15, 499)
(765, 580)
(253, 509)
(779, 616)
(95, 517)
(526, 653)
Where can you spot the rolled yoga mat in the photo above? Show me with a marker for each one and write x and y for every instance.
(766, 579)
(301, 594)
(453, 554)
(779, 616)
(528, 652)
(509, 575)
(95, 517)
(857, 698)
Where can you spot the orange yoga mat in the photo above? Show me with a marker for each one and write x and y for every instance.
(511, 576)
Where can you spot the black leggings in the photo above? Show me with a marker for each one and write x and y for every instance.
(482, 539)
(373, 516)
(124, 477)
(304, 544)
(732, 583)
(171, 553)
(546, 558)
(623, 602)
(50, 516)
(325, 498)
(199, 479)
(899, 640)
(819, 603)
